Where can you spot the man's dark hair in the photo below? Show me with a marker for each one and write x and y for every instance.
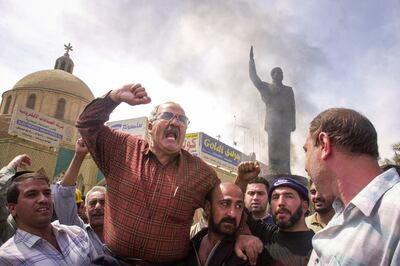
(260, 180)
(13, 189)
(348, 131)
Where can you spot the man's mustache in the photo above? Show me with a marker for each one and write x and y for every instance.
(228, 220)
(282, 209)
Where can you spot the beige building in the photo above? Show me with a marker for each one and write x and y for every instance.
(56, 93)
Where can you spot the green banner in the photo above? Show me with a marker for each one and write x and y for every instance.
(64, 159)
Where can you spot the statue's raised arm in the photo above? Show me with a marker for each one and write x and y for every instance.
(252, 71)
(280, 116)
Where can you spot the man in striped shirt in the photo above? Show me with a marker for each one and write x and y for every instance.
(37, 241)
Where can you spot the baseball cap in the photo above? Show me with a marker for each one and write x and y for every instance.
(288, 182)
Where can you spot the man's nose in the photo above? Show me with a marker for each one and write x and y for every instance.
(317, 196)
(234, 212)
(43, 197)
(231, 212)
(98, 205)
(255, 196)
(281, 201)
(174, 120)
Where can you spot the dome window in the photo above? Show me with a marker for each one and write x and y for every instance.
(60, 109)
(30, 103)
(7, 106)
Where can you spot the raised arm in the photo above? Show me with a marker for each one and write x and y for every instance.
(100, 140)
(6, 173)
(71, 174)
(246, 172)
(64, 192)
(252, 71)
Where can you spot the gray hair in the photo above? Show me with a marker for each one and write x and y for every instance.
(154, 112)
(94, 189)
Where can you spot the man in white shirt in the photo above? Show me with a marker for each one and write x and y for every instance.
(342, 160)
(37, 241)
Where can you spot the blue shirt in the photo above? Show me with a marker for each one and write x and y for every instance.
(67, 213)
(367, 230)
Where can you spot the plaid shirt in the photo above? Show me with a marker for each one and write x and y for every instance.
(149, 206)
(367, 230)
(28, 249)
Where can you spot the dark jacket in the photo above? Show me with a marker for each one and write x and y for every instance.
(284, 248)
(222, 255)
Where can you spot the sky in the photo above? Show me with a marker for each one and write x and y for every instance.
(333, 53)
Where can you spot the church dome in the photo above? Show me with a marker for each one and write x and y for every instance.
(56, 80)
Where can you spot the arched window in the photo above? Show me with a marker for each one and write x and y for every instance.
(7, 106)
(60, 109)
(30, 103)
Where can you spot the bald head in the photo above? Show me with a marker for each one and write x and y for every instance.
(225, 188)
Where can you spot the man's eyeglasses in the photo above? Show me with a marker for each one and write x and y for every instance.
(168, 116)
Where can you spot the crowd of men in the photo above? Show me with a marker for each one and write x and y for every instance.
(145, 213)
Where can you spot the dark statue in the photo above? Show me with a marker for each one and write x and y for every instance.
(280, 118)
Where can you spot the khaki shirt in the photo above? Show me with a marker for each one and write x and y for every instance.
(313, 224)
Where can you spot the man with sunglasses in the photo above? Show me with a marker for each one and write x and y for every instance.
(153, 187)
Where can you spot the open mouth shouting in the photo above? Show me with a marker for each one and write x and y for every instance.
(172, 133)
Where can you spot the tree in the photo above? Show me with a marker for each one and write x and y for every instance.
(396, 158)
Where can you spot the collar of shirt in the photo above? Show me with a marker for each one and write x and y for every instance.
(314, 220)
(147, 151)
(30, 239)
(87, 227)
(367, 198)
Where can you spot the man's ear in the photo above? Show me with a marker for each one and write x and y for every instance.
(326, 147)
(12, 208)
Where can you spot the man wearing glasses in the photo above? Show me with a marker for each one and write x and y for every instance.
(153, 187)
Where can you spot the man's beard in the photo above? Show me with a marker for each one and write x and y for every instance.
(295, 217)
(323, 210)
(219, 228)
